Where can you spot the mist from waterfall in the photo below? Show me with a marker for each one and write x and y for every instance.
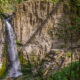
(15, 67)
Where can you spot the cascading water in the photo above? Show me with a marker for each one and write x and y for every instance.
(15, 67)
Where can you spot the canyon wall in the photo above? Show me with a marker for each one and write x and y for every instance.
(35, 25)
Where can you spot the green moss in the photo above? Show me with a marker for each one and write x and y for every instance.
(4, 70)
(22, 60)
(18, 43)
(55, 1)
(70, 53)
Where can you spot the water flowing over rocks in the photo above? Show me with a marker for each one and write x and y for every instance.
(35, 25)
(15, 67)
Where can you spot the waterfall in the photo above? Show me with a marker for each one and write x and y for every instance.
(15, 67)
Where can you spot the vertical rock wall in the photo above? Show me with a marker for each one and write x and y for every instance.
(1, 45)
(35, 26)
(32, 15)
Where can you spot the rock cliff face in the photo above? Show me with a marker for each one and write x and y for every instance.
(36, 18)
(1, 46)
(35, 26)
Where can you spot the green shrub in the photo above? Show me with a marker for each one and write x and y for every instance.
(64, 74)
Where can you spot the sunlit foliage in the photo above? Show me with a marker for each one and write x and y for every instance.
(8, 6)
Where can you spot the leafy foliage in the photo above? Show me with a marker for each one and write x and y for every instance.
(8, 6)
(65, 72)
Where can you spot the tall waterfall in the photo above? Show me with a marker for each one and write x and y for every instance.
(15, 67)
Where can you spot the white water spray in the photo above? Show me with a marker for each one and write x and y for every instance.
(15, 67)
